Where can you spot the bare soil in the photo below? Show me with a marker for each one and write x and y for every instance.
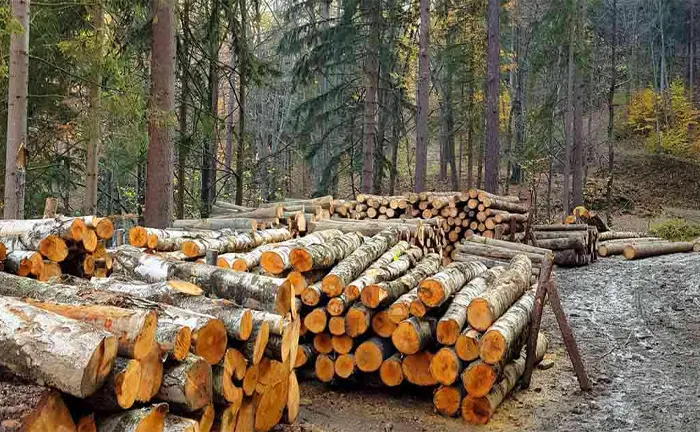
(638, 327)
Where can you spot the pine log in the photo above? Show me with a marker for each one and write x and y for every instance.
(382, 294)
(370, 354)
(277, 260)
(244, 289)
(614, 235)
(324, 255)
(510, 285)
(414, 334)
(437, 289)
(416, 369)
(446, 366)
(478, 410)
(354, 264)
(25, 407)
(468, 345)
(134, 329)
(376, 272)
(187, 384)
(324, 368)
(447, 399)
(501, 216)
(120, 388)
(29, 336)
(450, 325)
(391, 371)
(500, 341)
(136, 420)
(637, 251)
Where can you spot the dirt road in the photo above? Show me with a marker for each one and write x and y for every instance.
(638, 327)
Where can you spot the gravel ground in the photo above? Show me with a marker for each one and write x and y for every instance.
(638, 327)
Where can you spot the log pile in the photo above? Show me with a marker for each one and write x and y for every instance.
(573, 244)
(392, 310)
(637, 245)
(46, 248)
(142, 338)
(459, 214)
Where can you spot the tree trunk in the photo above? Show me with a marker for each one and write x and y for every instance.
(492, 98)
(16, 150)
(644, 250)
(501, 341)
(422, 98)
(478, 410)
(450, 325)
(159, 181)
(324, 255)
(437, 289)
(487, 308)
(187, 384)
(578, 147)
(611, 115)
(242, 83)
(32, 408)
(94, 116)
(371, 10)
(136, 420)
(569, 115)
(79, 368)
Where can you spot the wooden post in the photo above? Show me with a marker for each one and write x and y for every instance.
(546, 286)
(211, 256)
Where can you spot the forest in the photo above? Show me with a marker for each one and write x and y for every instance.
(159, 109)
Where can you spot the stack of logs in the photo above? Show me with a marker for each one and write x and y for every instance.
(573, 244)
(210, 347)
(45, 248)
(636, 245)
(460, 214)
(383, 305)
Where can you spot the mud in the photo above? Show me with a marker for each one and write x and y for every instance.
(638, 327)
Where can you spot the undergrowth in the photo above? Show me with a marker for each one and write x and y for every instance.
(676, 230)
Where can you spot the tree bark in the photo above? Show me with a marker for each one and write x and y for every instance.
(160, 159)
(242, 52)
(501, 341)
(492, 97)
(210, 149)
(16, 150)
(187, 384)
(422, 99)
(324, 255)
(387, 292)
(450, 325)
(79, 368)
(136, 420)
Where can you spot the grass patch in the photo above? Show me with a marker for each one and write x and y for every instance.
(676, 230)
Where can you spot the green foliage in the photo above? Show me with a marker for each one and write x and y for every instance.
(676, 230)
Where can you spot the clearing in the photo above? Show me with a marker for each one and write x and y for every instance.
(637, 324)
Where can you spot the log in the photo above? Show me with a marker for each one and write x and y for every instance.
(614, 235)
(382, 325)
(271, 405)
(293, 399)
(306, 354)
(323, 343)
(501, 340)
(496, 252)
(478, 410)
(337, 305)
(416, 369)
(245, 421)
(31, 408)
(400, 309)
(613, 247)
(358, 320)
(413, 334)
(498, 203)
(377, 272)
(447, 399)
(134, 329)
(505, 244)
(277, 260)
(187, 384)
(238, 242)
(136, 420)
(244, 289)
(382, 294)
(450, 325)
(29, 336)
(353, 265)
(324, 368)
(300, 281)
(223, 388)
(563, 243)
(316, 320)
(468, 345)
(120, 388)
(165, 239)
(345, 365)
(250, 379)
(543, 235)
(151, 374)
(560, 227)
(254, 347)
(324, 255)
(175, 423)
(638, 251)
(391, 371)
(24, 263)
(336, 325)
(490, 262)
(312, 295)
(249, 260)
(34, 234)
(510, 285)
(437, 289)
(446, 366)
(342, 344)
(371, 353)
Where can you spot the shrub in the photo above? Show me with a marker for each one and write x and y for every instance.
(676, 230)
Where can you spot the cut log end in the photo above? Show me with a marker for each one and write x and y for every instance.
(447, 400)
(191, 249)
(285, 299)
(138, 236)
(479, 314)
(356, 322)
(182, 343)
(151, 375)
(323, 343)
(447, 331)
(345, 365)
(493, 347)
(342, 344)
(336, 306)
(324, 368)
(476, 410)
(382, 325)
(336, 325)
(416, 369)
(468, 345)
(372, 295)
(445, 366)
(391, 372)
(272, 262)
(332, 285)
(206, 418)
(126, 384)
(316, 320)
(431, 292)
(54, 248)
(301, 259)
(478, 379)
(49, 414)
(210, 341)
(406, 338)
(89, 240)
(152, 241)
(260, 342)
(368, 356)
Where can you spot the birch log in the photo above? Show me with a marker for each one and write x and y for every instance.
(187, 384)
(382, 294)
(324, 255)
(500, 342)
(44, 347)
(376, 271)
(120, 388)
(136, 420)
(414, 334)
(371, 353)
(437, 289)
(277, 260)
